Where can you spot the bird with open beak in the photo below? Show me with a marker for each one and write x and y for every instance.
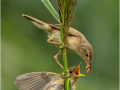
(76, 41)
(47, 80)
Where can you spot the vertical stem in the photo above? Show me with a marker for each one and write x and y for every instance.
(64, 53)
(66, 8)
(65, 68)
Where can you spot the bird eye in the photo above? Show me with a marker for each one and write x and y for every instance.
(86, 54)
(70, 71)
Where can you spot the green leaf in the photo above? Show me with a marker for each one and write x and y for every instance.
(51, 9)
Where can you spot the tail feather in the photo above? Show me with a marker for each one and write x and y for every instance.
(38, 23)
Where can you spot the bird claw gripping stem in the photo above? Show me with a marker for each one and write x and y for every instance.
(66, 74)
(66, 44)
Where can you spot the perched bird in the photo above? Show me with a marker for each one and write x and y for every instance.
(47, 80)
(77, 43)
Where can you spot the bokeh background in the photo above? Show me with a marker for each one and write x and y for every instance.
(25, 49)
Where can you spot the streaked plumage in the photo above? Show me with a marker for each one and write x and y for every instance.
(47, 80)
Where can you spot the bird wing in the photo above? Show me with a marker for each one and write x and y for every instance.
(35, 80)
(45, 26)
(71, 31)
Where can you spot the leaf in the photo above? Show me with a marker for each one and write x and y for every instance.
(51, 9)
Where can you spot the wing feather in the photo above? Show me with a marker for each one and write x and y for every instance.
(71, 32)
(35, 81)
(31, 84)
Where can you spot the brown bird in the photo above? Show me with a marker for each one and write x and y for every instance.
(47, 80)
(77, 43)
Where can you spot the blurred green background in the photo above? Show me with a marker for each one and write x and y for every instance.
(25, 49)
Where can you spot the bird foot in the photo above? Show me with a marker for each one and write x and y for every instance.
(66, 74)
(63, 46)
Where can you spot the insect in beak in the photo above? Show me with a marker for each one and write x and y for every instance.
(88, 67)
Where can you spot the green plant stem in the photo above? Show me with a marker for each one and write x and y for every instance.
(64, 53)
(65, 14)
(66, 81)
(63, 29)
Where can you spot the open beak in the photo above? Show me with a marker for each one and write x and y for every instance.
(77, 71)
(88, 67)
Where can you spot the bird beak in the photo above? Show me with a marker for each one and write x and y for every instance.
(88, 67)
(77, 71)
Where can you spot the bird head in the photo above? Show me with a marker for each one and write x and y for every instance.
(86, 52)
(74, 72)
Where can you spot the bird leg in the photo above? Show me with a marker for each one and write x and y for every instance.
(56, 57)
(51, 41)
(58, 43)
(58, 54)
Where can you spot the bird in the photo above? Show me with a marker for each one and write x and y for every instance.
(76, 41)
(48, 80)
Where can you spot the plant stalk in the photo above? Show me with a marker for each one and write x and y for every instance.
(64, 53)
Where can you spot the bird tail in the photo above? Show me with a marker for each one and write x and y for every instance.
(38, 23)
